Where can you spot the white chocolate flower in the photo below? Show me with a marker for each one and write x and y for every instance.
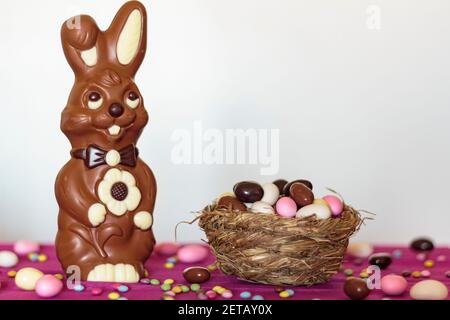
(118, 192)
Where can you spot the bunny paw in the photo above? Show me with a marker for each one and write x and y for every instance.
(143, 220)
(97, 214)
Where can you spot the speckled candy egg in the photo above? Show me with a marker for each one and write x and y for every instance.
(286, 207)
(48, 286)
(248, 192)
(167, 249)
(271, 193)
(192, 254)
(336, 205)
(287, 187)
(27, 278)
(320, 211)
(393, 285)
(24, 247)
(262, 207)
(8, 259)
(429, 290)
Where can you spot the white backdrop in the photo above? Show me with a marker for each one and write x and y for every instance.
(362, 110)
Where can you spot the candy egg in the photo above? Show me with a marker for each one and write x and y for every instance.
(8, 259)
(321, 212)
(393, 285)
(382, 260)
(167, 249)
(429, 290)
(280, 184)
(271, 193)
(356, 289)
(192, 253)
(248, 192)
(24, 247)
(286, 207)
(422, 244)
(226, 194)
(262, 207)
(196, 275)
(301, 194)
(27, 278)
(48, 286)
(320, 201)
(287, 187)
(336, 204)
(232, 203)
(360, 250)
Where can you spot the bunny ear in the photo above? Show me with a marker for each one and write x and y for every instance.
(79, 39)
(128, 34)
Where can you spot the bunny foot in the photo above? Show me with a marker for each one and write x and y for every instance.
(119, 273)
(143, 220)
(97, 214)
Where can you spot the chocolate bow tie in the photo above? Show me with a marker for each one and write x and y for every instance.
(94, 156)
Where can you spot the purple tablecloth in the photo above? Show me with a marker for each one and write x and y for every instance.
(404, 259)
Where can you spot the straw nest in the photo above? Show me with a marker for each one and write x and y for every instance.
(269, 249)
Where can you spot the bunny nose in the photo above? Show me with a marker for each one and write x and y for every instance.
(116, 110)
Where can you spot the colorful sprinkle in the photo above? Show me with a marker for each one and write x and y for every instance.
(168, 298)
(185, 289)
(284, 294)
(169, 265)
(258, 297)
(12, 273)
(406, 274)
(397, 254)
(227, 294)
(42, 258)
(212, 267)
(172, 260)
(33, 257)
(59, 276)
(416, 274)
(245, 295)
(364, 275)
(211, 294)
(177, 290)
(113, 296)
(79, 288)
(426, 273)
(421, 256)
(291, 292)
(441, 258)
(155, 282)
(169, 281)
(348, 272)
(145, 281)
(166, 287)
(202, 296)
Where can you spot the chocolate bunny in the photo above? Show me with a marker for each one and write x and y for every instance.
(106, 193)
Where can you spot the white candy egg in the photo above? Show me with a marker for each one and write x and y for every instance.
(271, 193)
(360, 249)
(322, 212)
(262, 207)
(8, 259)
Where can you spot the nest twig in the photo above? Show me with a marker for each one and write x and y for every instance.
(273, 250)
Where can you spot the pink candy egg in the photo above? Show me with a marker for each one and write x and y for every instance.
(167, 249)
(24, 247)
(393, 285)
(336, 205)
(48, 286)
(192, 254)
(286, 207)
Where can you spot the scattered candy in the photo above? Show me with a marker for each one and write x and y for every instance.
(406, 274)
(429, 290)
(196, 275)
(42, 258)
(416, 274)
(360, 249)
(155, 282)
(397, 254)
(348, 272)
(284, 294)
(169, 281)
(429, 264)
(212, 267)
(27, 278)
(193, 253)
(8, 259)
(169, 265)
(59, 276)
(97, 291)
(113, 296)
(258, 298)
(425, 273)
(227, 294)
(422, 244)
(364, 275)
(356, 289)
(382, 260)
(393, 285)
(24, 247)
(211, 294)
(12, 274)
(245, 295)
(123, 288)
(167, 249)
(79, 288)
(185, 289)
(195, 287)
(177, 290)
(441, 258)
(48, 286)
(166, 287)
(421, 256)
(33, 257)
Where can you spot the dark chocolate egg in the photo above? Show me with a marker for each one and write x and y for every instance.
(301, 194)
(382, 260)
(248, 192)
(231, 203)
(422, 244)
(356, 289)
(196, 275)
(280, 184)
(287, 187)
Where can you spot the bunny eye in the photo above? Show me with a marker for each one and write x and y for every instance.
(133, 100)
(95, 100)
